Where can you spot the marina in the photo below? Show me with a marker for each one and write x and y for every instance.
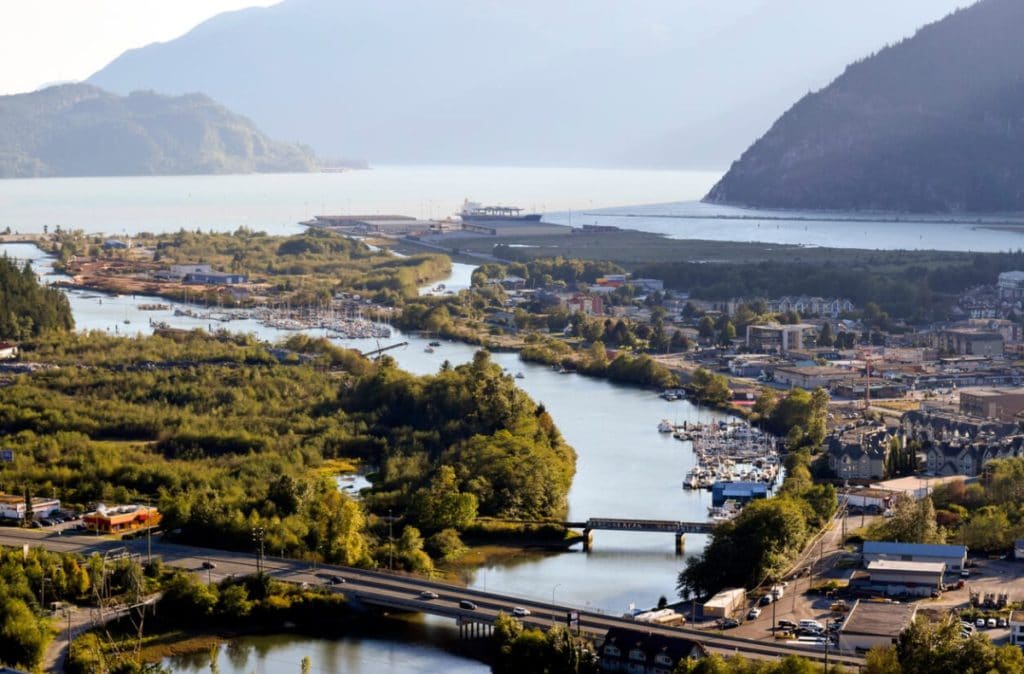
(727, 451)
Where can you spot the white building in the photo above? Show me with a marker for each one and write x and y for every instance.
(872, 624)
(952, 557)
(13, 507)
(1017, 628)
(725, 603)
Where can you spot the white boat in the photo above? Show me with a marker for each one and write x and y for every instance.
(665, 426)
(429, 349)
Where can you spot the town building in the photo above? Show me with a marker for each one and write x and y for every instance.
(919, 579)
(871, 624)
(120, 519)
(1010, 286)
(647, 285)
(778, 338)
(725, 603)
(637, 652)
(968, 341)
(1003, 404)
(116, 244)
(12, 507)
(961, 456)
(950, 556)
(591, 305)
(812, 376)
(215, 278)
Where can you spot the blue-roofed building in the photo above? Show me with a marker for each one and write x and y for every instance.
(953, 556)
(741, 492)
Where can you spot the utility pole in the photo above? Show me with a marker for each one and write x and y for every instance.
(149, 531)
(391, 543)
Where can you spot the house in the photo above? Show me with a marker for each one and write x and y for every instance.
(725, 603)
(870, 624)
(1016, 624)
(12, 507)
(512, 282)
(638, 652)
(901, 578)
(8, 350)
(950, 556)
(115, 244)
(1010, 286)
(115, 519)
(961, 456)
(859, 454)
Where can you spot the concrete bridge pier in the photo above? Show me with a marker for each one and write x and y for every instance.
(471, 629)
(588, 540)
(679, 543)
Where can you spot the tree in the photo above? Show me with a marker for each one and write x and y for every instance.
(706, 327)
(825, 337)
(727, 333)
(442, 505)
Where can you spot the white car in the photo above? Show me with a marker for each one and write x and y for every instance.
(754, 613)
(520, 612)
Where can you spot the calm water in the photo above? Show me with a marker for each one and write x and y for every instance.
(695, 220)
(625, 467)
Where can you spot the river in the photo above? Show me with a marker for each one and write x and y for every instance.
(625, 467)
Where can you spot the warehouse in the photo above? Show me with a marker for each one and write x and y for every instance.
(953, 556)
(911, 578)
(13, 507)
(872, 624)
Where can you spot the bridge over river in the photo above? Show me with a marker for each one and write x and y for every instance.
(409, 593)
(677, 528)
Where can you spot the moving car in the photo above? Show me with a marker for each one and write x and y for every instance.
(467, 604)
(427, 594)
(728, 623)
(520, 611)
(209, 565)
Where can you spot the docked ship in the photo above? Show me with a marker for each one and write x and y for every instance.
(476, 213)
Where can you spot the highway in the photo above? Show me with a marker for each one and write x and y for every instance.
(402, 592)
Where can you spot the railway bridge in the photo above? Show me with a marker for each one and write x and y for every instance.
(675, 527)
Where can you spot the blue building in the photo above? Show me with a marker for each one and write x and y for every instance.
(953, 556)
(741, 492)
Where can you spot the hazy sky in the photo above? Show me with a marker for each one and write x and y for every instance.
(45, 41)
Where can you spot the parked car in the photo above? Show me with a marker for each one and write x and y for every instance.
(991, 623)
(1002, 622)
(787, 624)
(980, 622)
(467, 604)
(754, 613)
(209, 565)
(767, 599)
(520, 612)
(728, 623)
(809, 632)
(784, 634)
(427, 594)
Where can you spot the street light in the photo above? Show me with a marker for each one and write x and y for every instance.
(391, 542)
(554, 609)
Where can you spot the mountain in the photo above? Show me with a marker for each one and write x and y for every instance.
(684, 83)
(81, 130)
(934, 124)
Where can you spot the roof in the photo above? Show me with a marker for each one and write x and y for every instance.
(1017, 616)
(906, 567)
(917, 549)
(675, 648)
(725, 597)
(874, 619)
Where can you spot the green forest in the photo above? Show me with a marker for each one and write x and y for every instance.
(227, 434)
(28, 309)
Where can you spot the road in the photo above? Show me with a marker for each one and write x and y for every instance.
(401, 592)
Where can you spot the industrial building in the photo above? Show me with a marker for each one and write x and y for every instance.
(741, 492)
(872, 624)
(777, 338)
(725, 603)
(901, 578)
(1001, 404)
(952, 557)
